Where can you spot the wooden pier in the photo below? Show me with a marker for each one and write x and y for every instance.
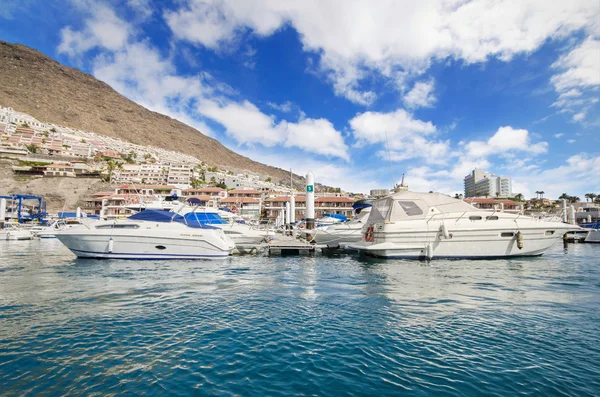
(292, 247)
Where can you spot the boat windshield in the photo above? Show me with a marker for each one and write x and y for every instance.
(380, 210)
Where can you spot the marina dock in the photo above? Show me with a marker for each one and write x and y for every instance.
(291, 247)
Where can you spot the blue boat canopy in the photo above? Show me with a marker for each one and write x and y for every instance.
(64, 215)
(156, 216)
(205, 218)
(361, 204)
(192, 219)
(336, 216)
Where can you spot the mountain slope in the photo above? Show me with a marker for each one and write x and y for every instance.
(33, 83)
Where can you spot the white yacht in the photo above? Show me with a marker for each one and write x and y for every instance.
(147, 235)
(432, 225)
(343, 234)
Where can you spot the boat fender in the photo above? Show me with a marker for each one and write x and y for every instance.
(369, 233)
(519, 240)
(111, 244)
(445, 231)
(8, 235)
(429, 251)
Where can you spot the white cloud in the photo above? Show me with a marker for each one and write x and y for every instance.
(579, 68)
(578, 79)
(244, 122)
(248, 125)
(143, 8)
(505, 140)
(318, 136)
(395, 38)
(102, 29)
(372, 127)
(571, 140)
(421, 95)
(403, 136)
(352, 179)
(139, 72)
(558, 135)
(576, 176)
(285, 107)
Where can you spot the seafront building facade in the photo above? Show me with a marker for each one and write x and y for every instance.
(482, 184)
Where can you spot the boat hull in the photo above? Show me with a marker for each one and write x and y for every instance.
(463, 244)
(140, 247)
(337, 236)
(593, 237)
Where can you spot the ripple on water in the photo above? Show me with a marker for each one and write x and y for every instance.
(331, 325)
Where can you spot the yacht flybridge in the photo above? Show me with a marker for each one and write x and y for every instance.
(432, 225)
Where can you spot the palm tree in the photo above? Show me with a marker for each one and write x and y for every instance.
(542, 194)
(574, 199)
(564, 196)
(590, 197)
(519, 196)
(110, 166)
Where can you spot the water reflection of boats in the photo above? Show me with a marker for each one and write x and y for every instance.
(429, 225)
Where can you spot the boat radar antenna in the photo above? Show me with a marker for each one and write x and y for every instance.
(401, 186)
(387, 149)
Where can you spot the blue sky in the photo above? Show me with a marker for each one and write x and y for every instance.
(341, 88)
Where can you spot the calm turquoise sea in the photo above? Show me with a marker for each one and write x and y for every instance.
(324, 326)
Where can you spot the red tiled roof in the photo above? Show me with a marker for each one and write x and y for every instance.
(333, 200)
(236, 200)
(241, 191)
(287, 198)
(157, 187)
(201, 197)
(205, 190)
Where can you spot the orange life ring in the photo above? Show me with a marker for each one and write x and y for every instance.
(233, 208)
(369, 233)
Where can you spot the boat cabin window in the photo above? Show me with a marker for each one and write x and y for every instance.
(130, 226)
(475, 218)
(491, 218)
(549, 232)
(410, 208)
(507, 234)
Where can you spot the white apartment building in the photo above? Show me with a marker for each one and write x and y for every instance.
(482, 184)
(180, 175)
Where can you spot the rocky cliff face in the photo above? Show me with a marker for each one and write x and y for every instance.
(33, 83)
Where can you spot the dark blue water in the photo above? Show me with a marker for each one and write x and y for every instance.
(296, 326)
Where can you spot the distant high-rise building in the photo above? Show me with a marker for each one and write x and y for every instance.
(481, 184)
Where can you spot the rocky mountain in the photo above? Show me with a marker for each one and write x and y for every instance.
(33, 83)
